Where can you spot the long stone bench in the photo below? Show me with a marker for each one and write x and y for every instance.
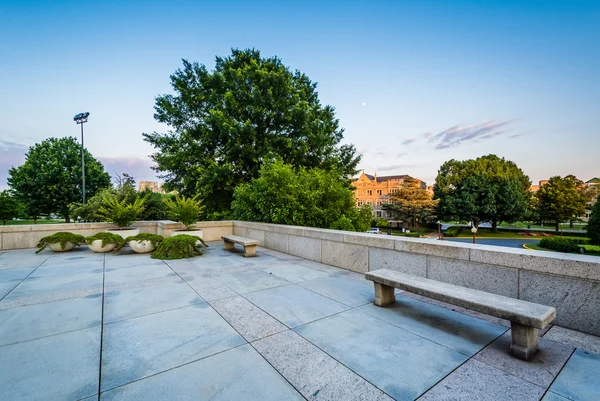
(248, 244)
(526, 318)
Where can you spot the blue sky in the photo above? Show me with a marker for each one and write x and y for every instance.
(414, 83)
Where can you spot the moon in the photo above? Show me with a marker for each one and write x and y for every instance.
(364, 103)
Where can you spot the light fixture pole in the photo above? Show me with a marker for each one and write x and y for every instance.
(474, 231)
(81, 119)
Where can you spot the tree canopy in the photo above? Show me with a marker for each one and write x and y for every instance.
(411, 204)
(487, 189)
(225, 124)
(9, 207)
(593, 230)
(50, 179)
(561, 199)
(298, 196)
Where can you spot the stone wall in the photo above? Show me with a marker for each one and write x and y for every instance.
(570, 283)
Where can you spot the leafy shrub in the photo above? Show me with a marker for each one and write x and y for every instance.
(563, 244)
(61, 237)
(453, 231)
(184, 210)
(120, 212)
(343, 223)
(179, 247)
(593, 227)
(107, 238)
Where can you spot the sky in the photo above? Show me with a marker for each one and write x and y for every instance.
(414, 83)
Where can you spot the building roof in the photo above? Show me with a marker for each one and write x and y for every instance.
(384, 177)
(595, 180)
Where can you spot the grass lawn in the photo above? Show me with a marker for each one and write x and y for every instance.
(592, 250)
(398, 232)
(26, 222)
(487, 233)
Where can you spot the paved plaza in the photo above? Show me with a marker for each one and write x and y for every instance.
(86, 326)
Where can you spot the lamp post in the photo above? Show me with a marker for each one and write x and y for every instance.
(81, 119)
(474, 231)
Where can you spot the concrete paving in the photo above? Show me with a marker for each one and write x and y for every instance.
(80, 325)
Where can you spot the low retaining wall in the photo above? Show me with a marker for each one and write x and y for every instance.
(570, 283)
(27, 236)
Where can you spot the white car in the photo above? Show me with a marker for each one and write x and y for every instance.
(374, 230)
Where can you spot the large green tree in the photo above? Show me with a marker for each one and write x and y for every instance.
(224, 124)
(593, 230)
(487, 189)
(9, 207)
(411, 204)
(298, 196)
(50, 179)
(561, 199)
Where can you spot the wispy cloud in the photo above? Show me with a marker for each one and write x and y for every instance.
(458, 134)
(397, 167)
(12, 154)
(137, 167)
(408, 141)
(401, 155)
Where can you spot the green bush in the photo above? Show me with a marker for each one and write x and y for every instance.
(343, 223)
(107, 238)
(561, 244)
(453, 231)
(184, 210)
(120, 212)
(154, 238)
(593, 227)
(60, 237)
(179, 247)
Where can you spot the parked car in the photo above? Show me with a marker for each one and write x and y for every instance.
(374, 230)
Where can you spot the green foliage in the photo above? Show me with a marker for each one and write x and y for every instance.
(107, 238)
(487, 189)
(62, 238)
(184, 210)
(227, 122)
(50, 179)
(453, 231)
(9, 207)
(561, 199)
(563, 244)
(304, 197)
(121, 213)
(381, 223)
(154, 238)
(411, 204)
(154, 205)
(343, 223)
(593, 228)
(179, 247)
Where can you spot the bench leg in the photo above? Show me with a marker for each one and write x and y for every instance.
(228, 246)
(250, 251)
(384, 295)
(524, 341)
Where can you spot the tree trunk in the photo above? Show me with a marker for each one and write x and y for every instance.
(557, 226)
(571, 224)
(4, 222)
(494, 226)
(67, 219)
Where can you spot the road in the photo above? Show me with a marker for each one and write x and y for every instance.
(510, 243)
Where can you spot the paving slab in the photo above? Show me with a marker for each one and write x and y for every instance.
(22, 259)
(61, 367)
(574, 338)
(314, 373)
(462, 333)
(293, 305)
(139, 347)
(14, 275)
(579, 378)
(477, 381)
(250, 280)
(73, 268)
(208, 287)
(35, 321)
(540, 370)
(550, 396)
(349, 292)
(294, 272)
(125, 274)
(6, 287)
(236, 374)
(125, 304)
(361, 342)
(251, 322)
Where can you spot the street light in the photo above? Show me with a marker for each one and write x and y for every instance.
(82, 118)
(474, 231)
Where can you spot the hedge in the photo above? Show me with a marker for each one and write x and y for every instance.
(563, 244)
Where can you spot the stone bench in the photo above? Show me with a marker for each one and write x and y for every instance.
(526, 318)
(248, 244)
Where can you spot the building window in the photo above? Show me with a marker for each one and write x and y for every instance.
(359, 203)
(379, 192)
(378, 213)
(378, 203)
(369, 203)
(369, 192)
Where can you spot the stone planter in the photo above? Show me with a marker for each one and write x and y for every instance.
(57, 248)
(142, 246)
(96, 246)
(196, 233)
(124, 232)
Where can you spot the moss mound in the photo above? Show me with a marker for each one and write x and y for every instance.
(61, 237)
(107, 238)
(154, 238)
(179, 247)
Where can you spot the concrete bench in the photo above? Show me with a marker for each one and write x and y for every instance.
(526, 318)
(248, 244)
